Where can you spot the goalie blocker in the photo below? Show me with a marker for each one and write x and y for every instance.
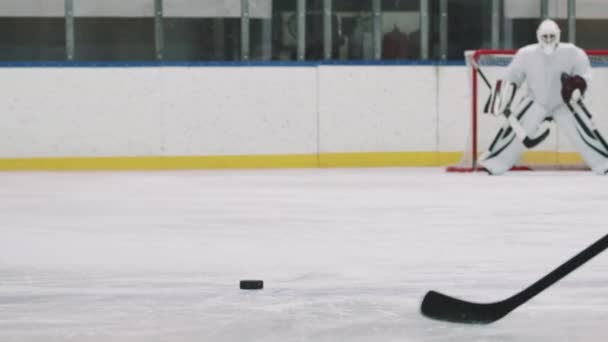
(502, 96)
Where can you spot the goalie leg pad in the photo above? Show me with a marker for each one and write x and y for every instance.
(581, 133)
(505, 151)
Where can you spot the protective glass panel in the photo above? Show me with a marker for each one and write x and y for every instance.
(114, 30)
(314, 29)
(197, 30)
(469, 26)
(32, 31)
(401, 29)
(522, 17)
(261, 28)
(284, 37)
(591, 23)
(352, 34)
(202, 39)
(587, 35)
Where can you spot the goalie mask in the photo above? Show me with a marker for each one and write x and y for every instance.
(548, 35)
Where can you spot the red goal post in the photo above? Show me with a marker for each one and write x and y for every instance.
(554, 153)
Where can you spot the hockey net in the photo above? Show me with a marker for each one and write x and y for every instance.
(555, 152)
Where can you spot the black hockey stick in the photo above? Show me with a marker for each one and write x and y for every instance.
(445, 308)
(513, 121)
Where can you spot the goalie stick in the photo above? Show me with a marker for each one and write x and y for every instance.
(442, 307)
(585, 123)
(520, 132)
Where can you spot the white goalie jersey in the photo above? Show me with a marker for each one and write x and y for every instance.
(542, 73)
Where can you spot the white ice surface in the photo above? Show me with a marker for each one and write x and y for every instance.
(345, 254)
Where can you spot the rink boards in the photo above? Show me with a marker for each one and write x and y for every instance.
(236, 116)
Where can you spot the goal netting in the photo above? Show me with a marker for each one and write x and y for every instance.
(555, 152)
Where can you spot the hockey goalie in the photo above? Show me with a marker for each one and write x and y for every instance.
(556, 77)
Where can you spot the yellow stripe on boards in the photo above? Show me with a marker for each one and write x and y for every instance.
(161, 163)
(363, 159)
(551, 158)
(375, 159)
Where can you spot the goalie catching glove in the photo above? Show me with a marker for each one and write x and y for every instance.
(501, 98)
(573, 87)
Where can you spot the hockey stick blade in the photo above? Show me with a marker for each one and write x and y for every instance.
(439, 306)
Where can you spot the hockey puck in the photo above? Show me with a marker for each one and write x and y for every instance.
(252, 284)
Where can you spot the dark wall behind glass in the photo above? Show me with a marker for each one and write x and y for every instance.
(114, 39)
(469, 26)
(202, 39)
(32, 39)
